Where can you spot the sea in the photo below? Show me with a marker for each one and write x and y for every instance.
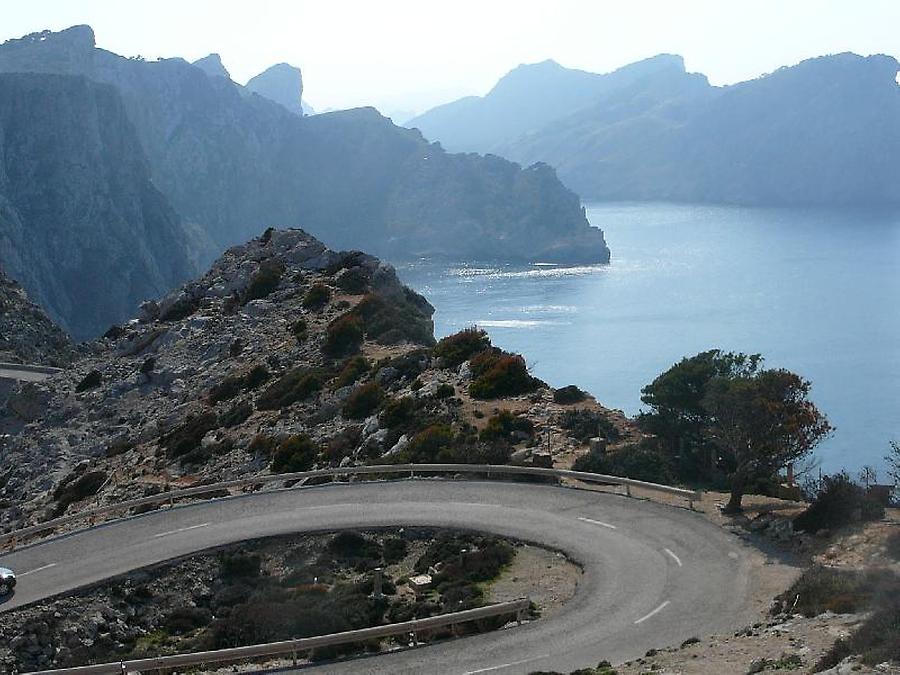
(816, 291)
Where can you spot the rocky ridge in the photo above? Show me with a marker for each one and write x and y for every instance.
(286, 355)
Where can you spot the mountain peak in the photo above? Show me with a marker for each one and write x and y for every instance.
(281, 83)
(212, 66)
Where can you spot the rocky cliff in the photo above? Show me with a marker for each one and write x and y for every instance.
(233, 163)
(82, 226)
(27, 334)
(283, 84)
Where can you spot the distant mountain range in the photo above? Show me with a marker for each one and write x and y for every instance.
(120, 178)
(823, 132)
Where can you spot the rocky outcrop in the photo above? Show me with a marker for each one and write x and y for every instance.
(212, 66)
(27, 334)
(283, 344)
(82, 226)
(281, 83)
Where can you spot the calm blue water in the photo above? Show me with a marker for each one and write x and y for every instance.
(817, 292)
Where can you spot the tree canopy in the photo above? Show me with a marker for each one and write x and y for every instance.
(722, 413)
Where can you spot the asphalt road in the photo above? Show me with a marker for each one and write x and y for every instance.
(653, 575)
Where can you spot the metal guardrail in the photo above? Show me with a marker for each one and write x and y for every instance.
(485, 469)
(299, 645)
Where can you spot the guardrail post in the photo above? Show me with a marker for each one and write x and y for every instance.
(627, 490)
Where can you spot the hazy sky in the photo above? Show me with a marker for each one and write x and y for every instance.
(409, 55)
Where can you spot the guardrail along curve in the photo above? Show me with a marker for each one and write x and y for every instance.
(299, 645)
(486, 469)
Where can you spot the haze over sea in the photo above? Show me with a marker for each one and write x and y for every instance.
(814, 291)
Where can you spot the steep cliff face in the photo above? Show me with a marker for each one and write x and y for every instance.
(27, 334)
(235, 163)
(283, 84)
(81, 225)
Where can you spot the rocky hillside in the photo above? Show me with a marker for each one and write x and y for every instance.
(82, 226)
(27, 335)
(231, 162)
(285, 356)
(653, 131)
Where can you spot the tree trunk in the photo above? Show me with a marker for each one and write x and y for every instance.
(738, 483)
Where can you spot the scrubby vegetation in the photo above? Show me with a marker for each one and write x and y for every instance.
(184, 441)
(838, 501)
(507, 428)
(288, 587)
(455, 349)
(90, 381)
(497, 373)
(822, 589)
(295, 385)
(299, 329)
(641, 461)
(295, 453)
(343, 336)
(265, 280)
(317, 297)
(584, 424)
(232, 385)
(568, 395)
(391, 323)
(363, 401)
(353, 369)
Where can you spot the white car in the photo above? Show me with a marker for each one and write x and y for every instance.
(7, 581)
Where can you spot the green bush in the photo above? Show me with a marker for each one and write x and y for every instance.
(363, 401)
(232, 385)
(838, 501)
(842, 591)
(500, 427)
(183, 620)
(239, 565)
(186, 437)
(410, 364)
(262, 445)
(500, 374)
(295, 453)
(237, 414)
(298, 329)
(343, 336)
(295, 385)
(265, 280)
(394, 322)
(90, 381)
(432, 444)
(641, 461)
(398, 413)
(351, 545)
(568, 395)
(584, 424)
(354, 281)
(353, 369)
(317, 296)
(455, 349)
